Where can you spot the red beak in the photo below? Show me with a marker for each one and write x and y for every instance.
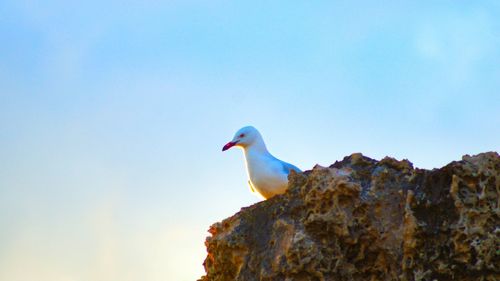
(229, 145)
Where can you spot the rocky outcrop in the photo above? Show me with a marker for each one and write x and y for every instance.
(362, 219)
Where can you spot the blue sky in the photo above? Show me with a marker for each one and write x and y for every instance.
(113, 115)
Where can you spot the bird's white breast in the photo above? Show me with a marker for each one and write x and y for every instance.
(266, 174)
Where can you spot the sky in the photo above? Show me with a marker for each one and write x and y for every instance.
(113, 115)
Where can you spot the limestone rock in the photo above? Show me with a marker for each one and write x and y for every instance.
(362, 219)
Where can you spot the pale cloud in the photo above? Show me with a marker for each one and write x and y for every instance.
(456, 43)
(102, 245)
(428, 43)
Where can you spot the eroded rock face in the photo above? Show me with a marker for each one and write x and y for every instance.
(362, 219)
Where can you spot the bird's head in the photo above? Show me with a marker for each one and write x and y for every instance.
(243, 138)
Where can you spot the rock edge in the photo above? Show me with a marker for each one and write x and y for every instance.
(362, 219)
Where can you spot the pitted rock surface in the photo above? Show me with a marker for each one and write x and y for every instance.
(362, 219)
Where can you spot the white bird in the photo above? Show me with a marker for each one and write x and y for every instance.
(268, 175)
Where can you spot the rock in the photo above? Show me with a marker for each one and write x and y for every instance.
(362, 219)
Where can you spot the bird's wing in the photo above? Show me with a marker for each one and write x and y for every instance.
(287, 167)
(251, 187)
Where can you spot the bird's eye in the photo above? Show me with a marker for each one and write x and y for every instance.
(242, 135)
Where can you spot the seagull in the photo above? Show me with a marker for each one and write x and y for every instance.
(268, 176)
